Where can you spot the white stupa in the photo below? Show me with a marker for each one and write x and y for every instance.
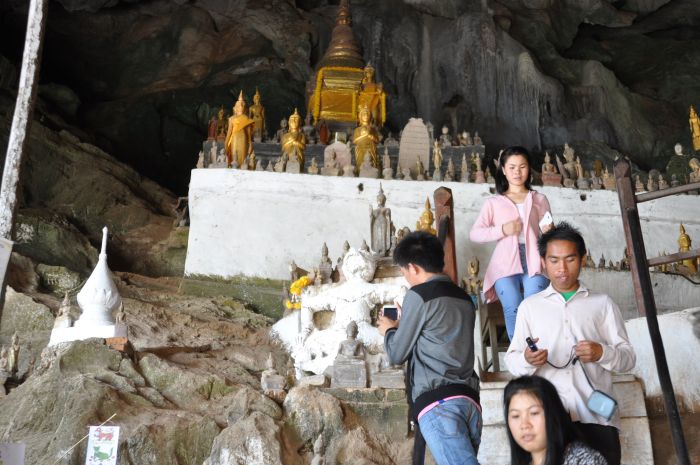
(99, 299)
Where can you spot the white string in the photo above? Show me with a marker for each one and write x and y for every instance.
(81, 440)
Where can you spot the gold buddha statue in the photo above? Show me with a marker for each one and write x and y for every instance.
(694, 128)
(256, 112)
(684, 244)
(239, 136)
(293, 141)
(425, 223)
(342, 81)
(366, 137)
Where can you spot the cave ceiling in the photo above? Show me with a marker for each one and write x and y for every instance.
(140, 79)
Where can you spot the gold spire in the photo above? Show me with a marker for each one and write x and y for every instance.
(343, 49)
(694, 128)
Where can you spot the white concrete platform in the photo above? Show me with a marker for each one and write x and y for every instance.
(59, 335)
(252, 223)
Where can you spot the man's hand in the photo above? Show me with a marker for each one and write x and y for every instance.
(512, 228)
(384, 324)
(589, 351)
(536, 358)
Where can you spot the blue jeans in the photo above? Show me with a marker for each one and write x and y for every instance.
(452, 431)
(511, 290)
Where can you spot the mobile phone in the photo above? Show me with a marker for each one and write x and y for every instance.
(546, 220)
(391, 312)
(531, 344)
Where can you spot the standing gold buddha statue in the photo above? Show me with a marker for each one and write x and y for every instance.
(239, 136)
(257, 113)
(293, 141)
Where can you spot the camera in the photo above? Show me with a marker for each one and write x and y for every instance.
(531, 344)
(390, 312)
(602, 404)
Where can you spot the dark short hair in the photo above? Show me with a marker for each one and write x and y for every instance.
(422, 249)
(558, 426)
(501, 181)
(562, 232)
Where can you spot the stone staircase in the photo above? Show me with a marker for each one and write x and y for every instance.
(627, 390)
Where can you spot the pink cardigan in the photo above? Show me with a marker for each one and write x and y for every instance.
(505, 260)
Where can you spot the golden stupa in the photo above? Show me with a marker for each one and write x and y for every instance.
(343, 82)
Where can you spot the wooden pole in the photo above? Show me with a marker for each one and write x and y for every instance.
(646, 304)
(19, 132)
(444, 215)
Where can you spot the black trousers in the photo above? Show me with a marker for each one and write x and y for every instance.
(604, 439)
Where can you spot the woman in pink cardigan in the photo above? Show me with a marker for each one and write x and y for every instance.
(514, 219)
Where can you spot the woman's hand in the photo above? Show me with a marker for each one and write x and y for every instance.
(512, 228)
(547, 227)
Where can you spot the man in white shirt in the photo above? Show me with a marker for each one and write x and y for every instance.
(567, 320)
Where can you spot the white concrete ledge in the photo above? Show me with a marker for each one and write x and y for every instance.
(253, 223)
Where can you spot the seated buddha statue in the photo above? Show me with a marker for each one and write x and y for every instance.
(425, 223)
(293, 141)
(365, 137)
(257, 113)
(239, 135)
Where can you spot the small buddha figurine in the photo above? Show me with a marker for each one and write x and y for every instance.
(445, 138)
(601, 262)
(324, 134)
(570, 162)
(211, 129)
(579, 168)
(420, 170)
(589, 261)
(598, 168)
(308, 129)
(477, 139)
(120, 317)
(437, 156)
(239, 135)
(425, 223)
(318, 452)
(472, 284)
(625, 262)
(294, 142)
(465, 174)
(325, 266)
(387, 172)
(548, 167)
(437, 162)
(13, 355)
(217, 126)
(450, 173)
(365, 137)
(281, 131)
(351, 348)
(694, 122)
(381, 227)
(684, 244)
(652, 185)
(313, 169)
(663, 184)
(678, 164)
(638, 184)
(256, 112)
(63, 318)
(694, 165)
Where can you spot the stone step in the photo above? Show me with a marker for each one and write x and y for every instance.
(635, 436)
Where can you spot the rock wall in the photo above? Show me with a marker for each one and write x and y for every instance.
(142, 79)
